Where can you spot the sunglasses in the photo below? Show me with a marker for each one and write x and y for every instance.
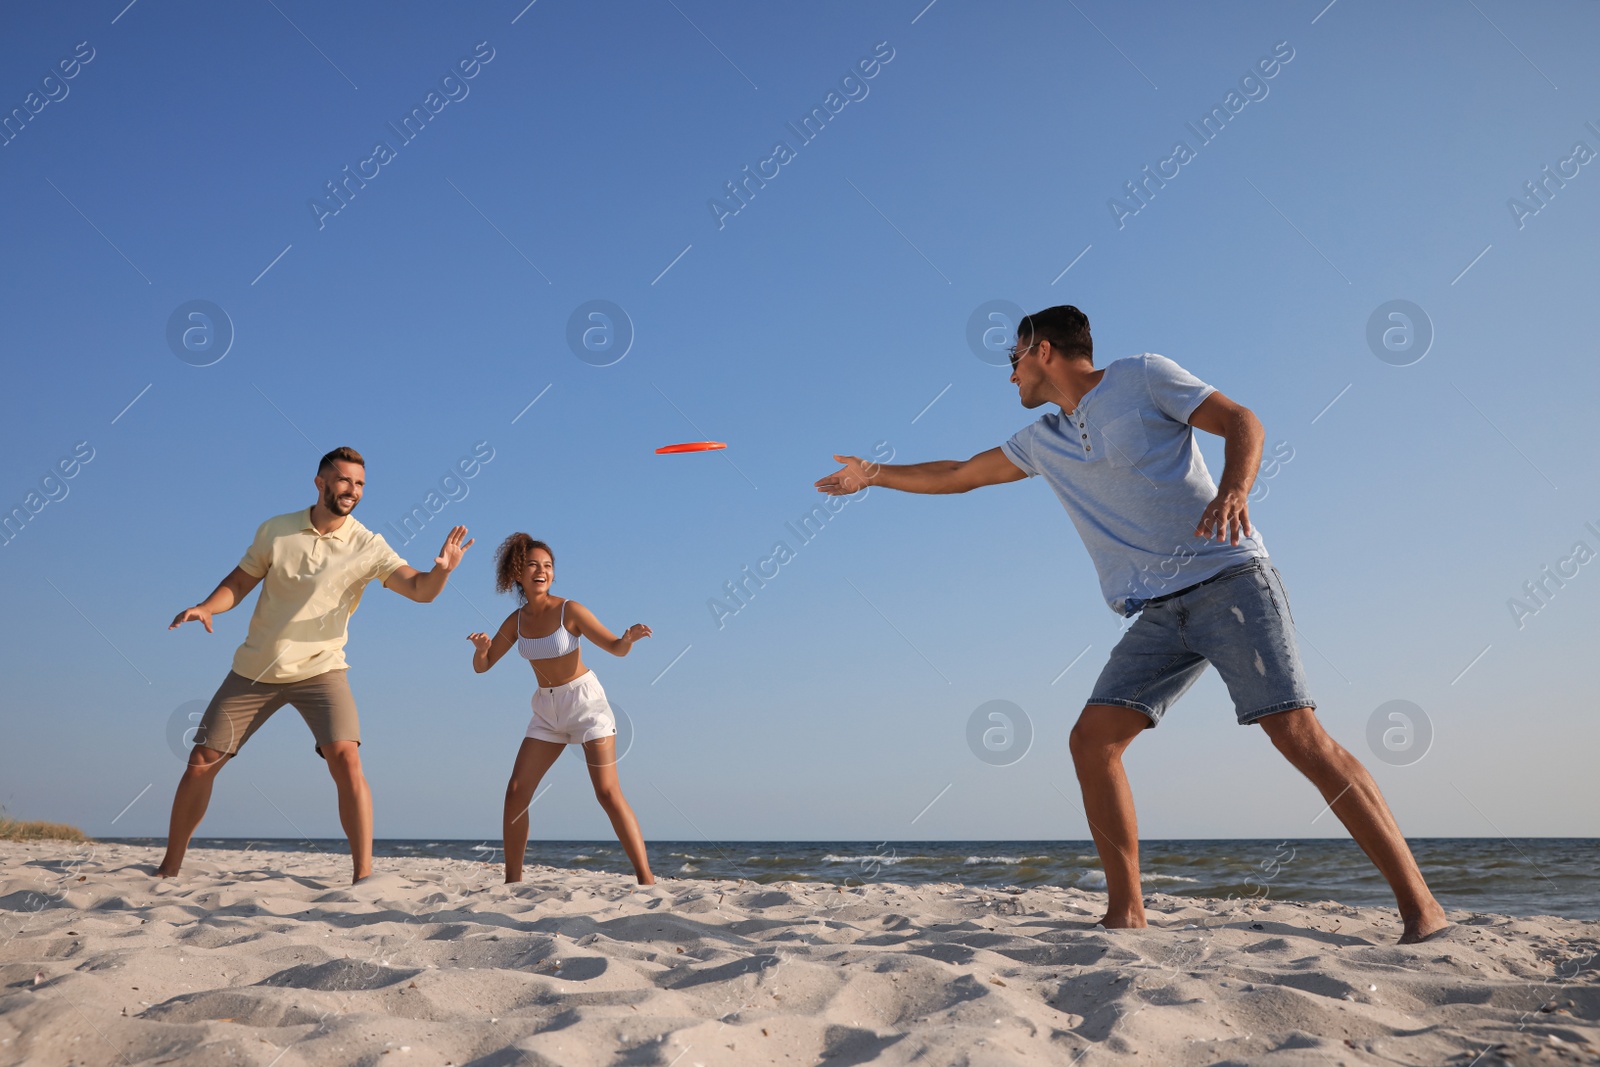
(1016, 352)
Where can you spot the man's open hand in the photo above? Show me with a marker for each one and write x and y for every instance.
(450, 555)
(195, 614)
(851, 478)
(1227, 518)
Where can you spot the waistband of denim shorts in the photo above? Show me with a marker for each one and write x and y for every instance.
(1255, 563)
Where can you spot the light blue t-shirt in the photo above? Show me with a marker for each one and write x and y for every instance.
(1125, 466)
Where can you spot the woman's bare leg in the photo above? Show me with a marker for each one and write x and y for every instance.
(534, 758)
(602, 757)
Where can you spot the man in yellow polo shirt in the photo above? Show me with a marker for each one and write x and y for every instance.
(314, 564)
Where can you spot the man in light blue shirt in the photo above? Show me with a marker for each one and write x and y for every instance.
(1125, 465)
(1176, 549)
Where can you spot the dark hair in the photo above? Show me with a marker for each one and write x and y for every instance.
(1064, 326)
(342, 454)
(510, 559)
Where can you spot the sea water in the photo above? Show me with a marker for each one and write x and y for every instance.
(1521, 876)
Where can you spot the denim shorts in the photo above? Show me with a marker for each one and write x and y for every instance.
(1238, 621)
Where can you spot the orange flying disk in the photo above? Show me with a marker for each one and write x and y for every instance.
(690, 446)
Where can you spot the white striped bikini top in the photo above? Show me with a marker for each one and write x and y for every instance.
(550, 645)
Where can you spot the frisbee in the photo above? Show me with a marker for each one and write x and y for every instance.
(690, 446)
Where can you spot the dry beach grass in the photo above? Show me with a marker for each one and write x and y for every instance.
(24, 830)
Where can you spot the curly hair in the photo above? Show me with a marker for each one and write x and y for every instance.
(511, 558)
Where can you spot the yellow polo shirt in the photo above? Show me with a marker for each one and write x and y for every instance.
(311, 585)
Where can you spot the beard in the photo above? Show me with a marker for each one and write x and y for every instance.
(330, 500)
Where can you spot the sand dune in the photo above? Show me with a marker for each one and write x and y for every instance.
(266, 958)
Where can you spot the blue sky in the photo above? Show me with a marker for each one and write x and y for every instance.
(979, 162)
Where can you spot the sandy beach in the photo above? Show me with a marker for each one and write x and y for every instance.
(269, 958)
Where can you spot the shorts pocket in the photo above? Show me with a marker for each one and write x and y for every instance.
(1280, 593)
(1270, 592)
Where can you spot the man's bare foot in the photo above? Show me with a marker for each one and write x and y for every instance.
(162, 872)
(648, 879)
(1133, 920)
(1431, 923)
(358, 879)
(513, 881)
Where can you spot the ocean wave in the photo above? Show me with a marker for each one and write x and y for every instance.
(1096, 879)
(888, 861)
(972, 861)
(688, 868)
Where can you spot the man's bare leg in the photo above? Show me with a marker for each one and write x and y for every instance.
(534, 758)
(1354, 797)
(1102, 733)
(601, 754)
(189, 805)
(355, 803)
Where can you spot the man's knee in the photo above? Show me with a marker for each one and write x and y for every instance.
(609, 796)
(1297, 733)
(344, 758)
(204, 762)
(1104, 729)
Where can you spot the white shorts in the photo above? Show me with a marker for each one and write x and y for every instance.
(572, 714)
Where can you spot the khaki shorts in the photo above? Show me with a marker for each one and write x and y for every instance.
(241, 706)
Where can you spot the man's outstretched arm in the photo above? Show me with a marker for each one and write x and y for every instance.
(1228, 516)
(938, 476)
(232, 589)
(423, 587)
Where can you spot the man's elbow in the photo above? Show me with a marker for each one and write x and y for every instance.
(960, 479)
(966, 482)
(1242, 422)
(408, 589)
(1243, 416)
